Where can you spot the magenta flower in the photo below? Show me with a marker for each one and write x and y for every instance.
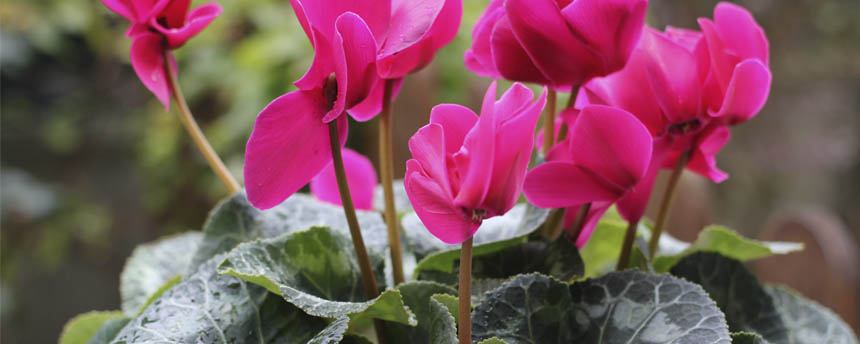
(157, 26)
(603, 159)
(466, 168)
(358, 45)
(558, 43)
(360, 176)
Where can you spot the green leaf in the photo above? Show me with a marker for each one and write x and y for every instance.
(493, 340)
(807, 321)
(559, 259)
(430, 303)
(333, 333)
(737, 292)
(622, 307)
(83, 327)
(401, 199)
(152, 265)
(172, 282)
(208, 307)
(747, 338)
(496, 233)
(601, 251)
(728, 243)
(451, 302)
(109, 331)
(316, 270)
(235, 221)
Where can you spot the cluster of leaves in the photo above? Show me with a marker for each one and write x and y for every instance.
(289, 275)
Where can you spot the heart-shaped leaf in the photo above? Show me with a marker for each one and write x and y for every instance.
(86, 328)
(317, 271)
(747, 338)
(435, 323)
(621, 307)
(807, 321)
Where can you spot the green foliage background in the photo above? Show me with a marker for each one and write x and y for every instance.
(92, 167)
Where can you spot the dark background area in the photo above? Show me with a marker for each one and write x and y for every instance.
(91, 166)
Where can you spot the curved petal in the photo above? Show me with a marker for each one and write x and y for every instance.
(559, 184)
(612, 143)
(354, 63)
(595, 212)
(372, 104)
(197, 20)
(288, 147)
(632, 206)
(456, 121)
(509, 57)
(435, 208)
(722, 62)
(739, 30)
(747, 92)
(611, 27)
(174, 12)
(428, 150)
(674, 75)
(418, 29)
(546, 37)
(360, 176)
(474, 160)
(480, 59)
(147, 59)
(704, 161)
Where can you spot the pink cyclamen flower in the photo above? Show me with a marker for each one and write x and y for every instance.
(158, 26)
(360, 176)
(358, 45)
(558, 43)
(603, 159)
(466, 168)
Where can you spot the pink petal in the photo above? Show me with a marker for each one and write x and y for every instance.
(428, 150)
(546, 37)
(674, 76)
(197, 20)
(174, 13)
(479, 59)
(147, 59)
(355, 63)
(740, 32)
(372, 104)
(435, 208)
(514, 145)
(559, 184)
(704, 160)
(456, 121)
(417, 30)
(360, 176)
(747, 92)
(474, 160)
(595, 212)
(288, 147)
(632, 206)
(611, 27)
(686, 38)
(722, 63)
(509, 57)
(145, 9)
(560, 152)
(612, 143)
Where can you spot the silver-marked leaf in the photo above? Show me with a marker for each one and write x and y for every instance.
(495, 234)
(333, 333)
(84, 327)
(747, 338)
(435, 323)
(807, 321)
(235, 221)
(724, 241)
(401, 200)
(109, 330)
(622, 307)
(493, 340)
(317, 271)
(152, 265)
(737, 292)
(208, 307)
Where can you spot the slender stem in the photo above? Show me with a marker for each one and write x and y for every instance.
(464, 327)
(553, 225)
(194, 130)
(549, 122)
(370, 286)
(666, 203)
(579, 222)
(386, 169)
(627, 246)
(571, 101)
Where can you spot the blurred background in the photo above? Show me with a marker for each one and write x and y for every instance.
(92, 166)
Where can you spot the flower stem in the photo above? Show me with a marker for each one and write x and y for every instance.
(627, 246)
(370, 287)
(194, 130)
(666, 203)
(549, 122)
(579, 222)
(386, 169)
(464, 327)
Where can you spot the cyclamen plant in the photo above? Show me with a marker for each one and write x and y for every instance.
(481, 263)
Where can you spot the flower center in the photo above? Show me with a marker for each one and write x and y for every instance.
(478, 215)
(330, 90)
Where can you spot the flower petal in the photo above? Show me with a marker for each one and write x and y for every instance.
(704, 160)
(372, 104)
(479, 59)
(739, 30)
(474, 161)
(632, 206)
(197, 20)
(456, 121)
(611, 27)
(147, 59)
(595, 212)
(417, 30)
(288, 147)
(360, 176)
(674, 75)
(354, 63)
(560, 184)
(435, 208)
(747, 92)
(509, 57)
(428, 150)
(612, 143)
